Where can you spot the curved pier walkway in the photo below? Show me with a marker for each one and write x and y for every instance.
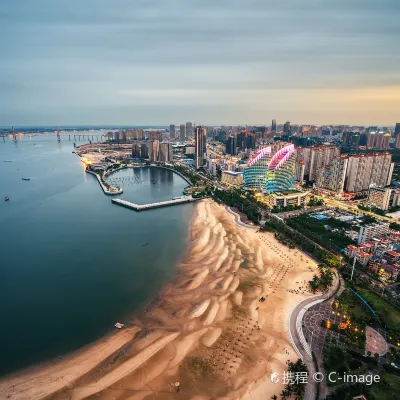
(142, 207)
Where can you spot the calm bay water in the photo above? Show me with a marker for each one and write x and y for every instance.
(71, 263)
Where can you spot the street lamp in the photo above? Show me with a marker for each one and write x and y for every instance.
(352, 271)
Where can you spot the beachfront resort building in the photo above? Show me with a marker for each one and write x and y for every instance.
(271, 169)
(271, 172)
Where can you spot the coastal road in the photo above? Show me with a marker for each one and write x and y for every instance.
(299, 343)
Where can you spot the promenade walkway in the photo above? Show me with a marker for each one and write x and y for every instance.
(110, 191)
(143, 207)
(238, 221)
(298, 340)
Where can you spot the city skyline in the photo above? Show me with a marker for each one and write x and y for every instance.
(231, 63)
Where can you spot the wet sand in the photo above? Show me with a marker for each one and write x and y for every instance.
(207, 330)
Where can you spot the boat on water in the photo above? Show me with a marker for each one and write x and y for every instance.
(26, 179)
(6, 198)
(118, 325)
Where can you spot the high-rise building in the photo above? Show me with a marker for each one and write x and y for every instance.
(182, 133)
(351, 139)
(397, 143)
(200, 146)
(286, 128)
(273, 126)
(271, 169)
(299, 171)
(368, 169)
(136, 150)
(155, 135)
(383, 198)
(189, 130)
(231, 145)
(172, 131)
(144, 151)
(154, 150)
(134, 134)
(397, 129)
(166, 154)
(332, 177)
(386, 141)
(319, 158)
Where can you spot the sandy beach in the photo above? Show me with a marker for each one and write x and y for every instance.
(207, 330)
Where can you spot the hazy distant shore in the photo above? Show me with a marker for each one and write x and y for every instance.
(207, 329)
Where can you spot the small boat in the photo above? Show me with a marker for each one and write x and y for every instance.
(7, 161)
(6, 198)
(118, 325)
(144, 244)
(26, 179)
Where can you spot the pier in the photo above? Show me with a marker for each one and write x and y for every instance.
(111, 190)
(143, 207)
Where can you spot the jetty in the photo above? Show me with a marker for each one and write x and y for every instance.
(143, 207)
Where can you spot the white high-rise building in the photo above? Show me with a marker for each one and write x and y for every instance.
(365, 170)
(320, 157)
(332, 177)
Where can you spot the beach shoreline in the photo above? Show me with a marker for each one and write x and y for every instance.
(206, 329)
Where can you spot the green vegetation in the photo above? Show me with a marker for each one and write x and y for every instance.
(282, 239)
(194, 179)
(335, 223)
(316, 231)
(349, 303)
(295, 386)
(395, 226)
(372, 209)
(387, 388)
(323, 281)
(315, 202)
(276, 209)
(302, 241)
(388, 314)
(235, 198)
(349, 362)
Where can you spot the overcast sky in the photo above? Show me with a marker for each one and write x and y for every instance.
(209, 61)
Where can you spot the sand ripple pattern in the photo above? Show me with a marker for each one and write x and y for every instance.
(207, 329)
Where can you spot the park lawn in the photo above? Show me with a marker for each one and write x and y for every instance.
(387, 389)
(389, 313)
(355, 307)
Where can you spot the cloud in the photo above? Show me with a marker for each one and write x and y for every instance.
(100, 54)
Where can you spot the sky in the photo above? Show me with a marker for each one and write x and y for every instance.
(134, 62)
